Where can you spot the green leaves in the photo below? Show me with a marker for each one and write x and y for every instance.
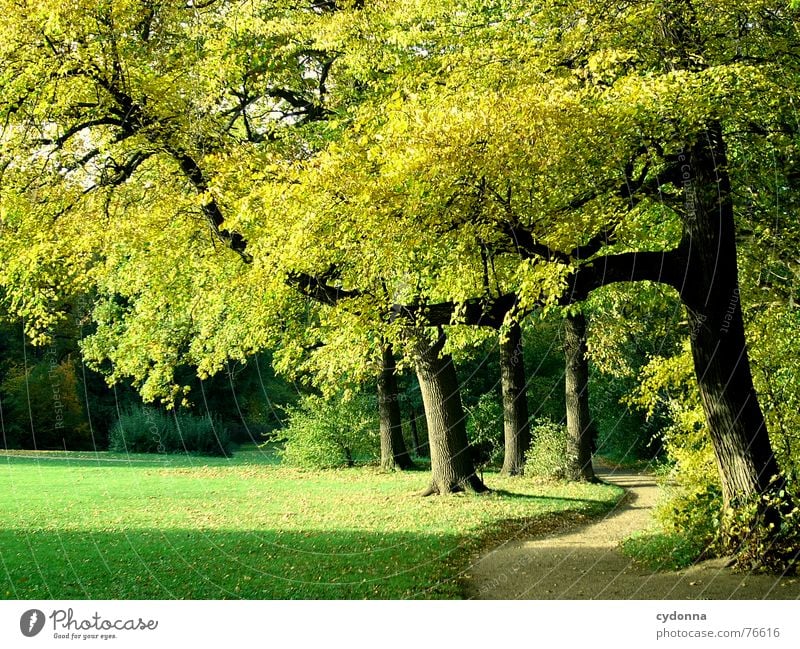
(397, 144)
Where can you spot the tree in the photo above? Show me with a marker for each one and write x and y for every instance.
(452, 462)
(516, 424)
(702, 267)
(142, 103)
(394, 454)
(43, 406)
(452, 465)
(581, 145)
(580, 426)
(183, 110)
(603, 150)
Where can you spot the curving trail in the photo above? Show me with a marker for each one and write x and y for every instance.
(586, 563)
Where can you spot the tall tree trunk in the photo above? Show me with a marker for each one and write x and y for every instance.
(452, 466)
(742, 448)
(394, 454)
(516, 427)
(580, 427)
(420, 448)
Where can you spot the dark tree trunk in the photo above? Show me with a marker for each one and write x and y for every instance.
(580, 427)
(420, 448)
(516, 427)
(394, 454)
(743, 452)
(452, 466)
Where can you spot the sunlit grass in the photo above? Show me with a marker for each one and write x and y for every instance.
(99, 525)
(663, 551)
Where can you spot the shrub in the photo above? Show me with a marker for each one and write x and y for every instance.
(144, 429)
(328, 433)
(752, 537)
(485, 430)
(547, 457)
(693, 504)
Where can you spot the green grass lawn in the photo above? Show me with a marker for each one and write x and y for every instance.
(86, 525)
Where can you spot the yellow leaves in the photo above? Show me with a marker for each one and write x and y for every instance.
(447, 122)
(540, 283)
(605, 65)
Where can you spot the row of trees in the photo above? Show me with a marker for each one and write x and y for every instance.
(359, 184)
(50, 400)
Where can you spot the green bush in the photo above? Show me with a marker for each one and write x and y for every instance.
(329, 433)
(751, 535)
(547, 457)
(144, 429)
(485, 430)
(692, 506)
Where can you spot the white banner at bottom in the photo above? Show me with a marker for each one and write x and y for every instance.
(395, 625)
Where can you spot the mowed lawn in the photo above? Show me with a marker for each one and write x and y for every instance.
(104, 526)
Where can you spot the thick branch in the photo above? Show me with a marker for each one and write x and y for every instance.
(527, 247)
(117, 173)
(663, 267)
(593, 246)
(318, 290)
(478, 312)
(666, 267)
(311, 111)
(211, 209)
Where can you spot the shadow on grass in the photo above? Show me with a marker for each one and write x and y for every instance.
(214, 564)
(518, 496)
(154, 563)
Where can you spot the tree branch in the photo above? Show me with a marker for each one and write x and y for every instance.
(211, 209)
(478, 312)
(77, 128)
(525, 245)
(312, 111)
(317, 288)
(665, 267)
(605, 237)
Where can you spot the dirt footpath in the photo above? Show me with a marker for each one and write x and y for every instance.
(586, 563)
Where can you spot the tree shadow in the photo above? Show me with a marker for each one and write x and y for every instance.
(221, 564)
(518, 496)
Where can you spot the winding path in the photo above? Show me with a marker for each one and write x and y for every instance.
(586, 563)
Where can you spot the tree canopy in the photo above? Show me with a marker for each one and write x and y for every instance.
(224, 178)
